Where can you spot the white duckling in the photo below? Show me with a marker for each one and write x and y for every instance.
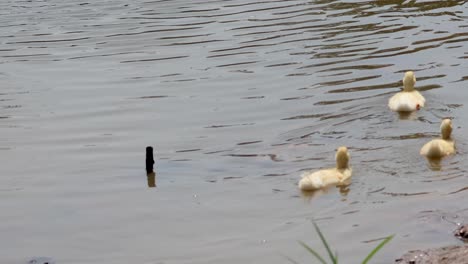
(409, 99)
(441, 147)
(317, 180)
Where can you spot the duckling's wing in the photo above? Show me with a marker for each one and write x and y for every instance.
(448, 147)
(329, 176)
(420, 98)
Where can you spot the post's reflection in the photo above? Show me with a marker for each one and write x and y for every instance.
(151, 177)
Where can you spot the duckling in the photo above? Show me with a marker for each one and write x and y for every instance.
(441, 147)
(409, 99)
(323, 178)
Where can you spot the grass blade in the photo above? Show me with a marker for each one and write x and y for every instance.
(325, 244)
(377, 248)
(313, 252)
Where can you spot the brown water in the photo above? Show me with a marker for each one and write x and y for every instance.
(238, 98)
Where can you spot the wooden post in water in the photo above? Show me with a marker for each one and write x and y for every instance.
(149, 160)
(151, 175)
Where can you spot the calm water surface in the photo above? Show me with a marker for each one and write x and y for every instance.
(238, 98)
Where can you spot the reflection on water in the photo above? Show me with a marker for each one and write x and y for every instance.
(344, 190)
(435, 163)
(226, 91)
(151, 179)
(407, 115)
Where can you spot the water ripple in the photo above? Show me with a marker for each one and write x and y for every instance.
(224, 90)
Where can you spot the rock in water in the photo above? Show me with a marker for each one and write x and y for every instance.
(462, 233)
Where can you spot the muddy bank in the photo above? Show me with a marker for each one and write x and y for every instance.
(443, 255)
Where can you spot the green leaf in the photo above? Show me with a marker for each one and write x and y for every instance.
(325, 244)
(313, 252)
(377, 248)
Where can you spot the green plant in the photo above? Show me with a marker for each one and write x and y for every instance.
(334, 257)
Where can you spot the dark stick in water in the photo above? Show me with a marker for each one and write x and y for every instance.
(149, 160)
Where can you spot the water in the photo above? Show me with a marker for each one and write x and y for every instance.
(238, 98)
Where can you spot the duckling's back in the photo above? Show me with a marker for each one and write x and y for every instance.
(323, 178)
(438, 148)
(406, 101)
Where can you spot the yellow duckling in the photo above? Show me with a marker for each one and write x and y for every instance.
(409, 99)
(441, 147)
(316, 180)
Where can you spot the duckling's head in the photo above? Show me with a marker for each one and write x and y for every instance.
(446, 128)
(409, 81)
(342, 158)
